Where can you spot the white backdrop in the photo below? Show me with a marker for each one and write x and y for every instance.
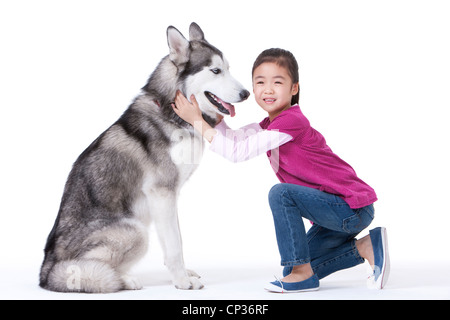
(374, 77)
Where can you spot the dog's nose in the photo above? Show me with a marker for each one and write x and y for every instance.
(244, 94)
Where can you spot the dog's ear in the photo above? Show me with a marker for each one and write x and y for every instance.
(196, 33)
(179, 46)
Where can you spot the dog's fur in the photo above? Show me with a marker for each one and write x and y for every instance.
(132, 173)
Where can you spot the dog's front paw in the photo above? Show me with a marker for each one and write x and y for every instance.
(131, 283)
(188, 283)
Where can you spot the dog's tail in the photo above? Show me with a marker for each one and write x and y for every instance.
(87, 276)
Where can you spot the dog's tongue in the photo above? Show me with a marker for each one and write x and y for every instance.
(228, 106)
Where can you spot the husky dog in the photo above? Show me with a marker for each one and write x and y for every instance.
(132, 173)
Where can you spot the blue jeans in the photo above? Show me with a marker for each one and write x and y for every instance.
(329, 245)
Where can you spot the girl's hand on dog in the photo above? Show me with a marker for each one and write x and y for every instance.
(189, 112)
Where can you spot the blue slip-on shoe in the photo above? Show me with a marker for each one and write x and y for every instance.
(381, 269)
(310, 284)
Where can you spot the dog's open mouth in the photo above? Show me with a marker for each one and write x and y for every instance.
(224, 107)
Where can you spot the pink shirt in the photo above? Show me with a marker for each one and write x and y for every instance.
(298, 154)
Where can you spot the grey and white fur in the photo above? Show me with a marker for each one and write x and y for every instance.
(131, 176)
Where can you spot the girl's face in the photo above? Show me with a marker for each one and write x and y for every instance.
(273, 88)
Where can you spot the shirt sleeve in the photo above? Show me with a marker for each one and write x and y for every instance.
(247, 142)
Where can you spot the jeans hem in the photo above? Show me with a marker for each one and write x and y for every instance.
(356, 253)
(295, 262)
(343, 261)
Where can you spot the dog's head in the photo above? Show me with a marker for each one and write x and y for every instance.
(204, 72)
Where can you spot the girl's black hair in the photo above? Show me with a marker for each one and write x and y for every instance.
(284, 59)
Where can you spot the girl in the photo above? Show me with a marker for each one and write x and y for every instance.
(315, 183)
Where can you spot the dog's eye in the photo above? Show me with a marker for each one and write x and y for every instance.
(216, 71)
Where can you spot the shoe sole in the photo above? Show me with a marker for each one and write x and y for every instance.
(383, 278)
(276, 289)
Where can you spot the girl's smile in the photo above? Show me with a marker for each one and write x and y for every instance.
(269, 101)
